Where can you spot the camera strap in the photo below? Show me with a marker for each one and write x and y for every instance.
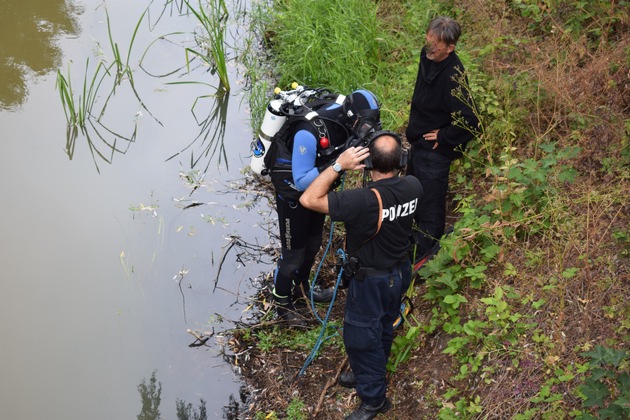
(380, 213)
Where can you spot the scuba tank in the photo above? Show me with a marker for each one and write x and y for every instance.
(274, 119)
(272, 122)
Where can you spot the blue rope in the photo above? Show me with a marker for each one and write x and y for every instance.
(321, 339)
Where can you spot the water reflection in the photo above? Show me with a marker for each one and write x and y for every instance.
(211, 122)
(151, 396)
(29, 31)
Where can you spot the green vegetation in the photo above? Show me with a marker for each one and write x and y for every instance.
(535, 273)
(305, 340)
(212, 19)
(85, 109)
(344, 45)
(82, 109)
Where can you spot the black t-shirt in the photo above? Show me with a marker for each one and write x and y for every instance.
(359, 210)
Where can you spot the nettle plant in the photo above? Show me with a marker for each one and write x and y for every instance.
(607, 389)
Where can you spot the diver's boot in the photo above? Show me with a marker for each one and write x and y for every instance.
(287, 313)
(303, 290)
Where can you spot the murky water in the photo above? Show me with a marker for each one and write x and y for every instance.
(103, 270)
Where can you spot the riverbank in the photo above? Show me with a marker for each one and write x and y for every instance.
(523, 313)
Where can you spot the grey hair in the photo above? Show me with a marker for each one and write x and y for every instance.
(446, 29)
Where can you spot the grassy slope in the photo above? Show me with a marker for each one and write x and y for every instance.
(534, 281)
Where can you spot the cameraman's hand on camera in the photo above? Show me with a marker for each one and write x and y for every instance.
(352, 158)
(316, 195)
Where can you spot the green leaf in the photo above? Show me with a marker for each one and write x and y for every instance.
(595, 393)
(598, 373)
(569, 273)
(538, 303)
(454, 300)
(624, 380)
(585, 416)
(567, 174)
(613, 411)
(602, 356)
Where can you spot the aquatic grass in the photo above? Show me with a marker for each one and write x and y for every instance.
(80, 107)
(213, 21)
(123, 69)
(80, 118)
(175, 5)
(254, 61)
(78, 111)
(258, 98)
(85, 109)
(162, 38)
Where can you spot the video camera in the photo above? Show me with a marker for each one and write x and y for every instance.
(363, 130)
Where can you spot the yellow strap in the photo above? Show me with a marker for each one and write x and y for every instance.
(380, 211)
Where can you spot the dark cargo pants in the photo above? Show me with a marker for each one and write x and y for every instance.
(372, 306)
(432, 170)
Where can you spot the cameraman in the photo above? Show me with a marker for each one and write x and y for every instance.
(378, 222)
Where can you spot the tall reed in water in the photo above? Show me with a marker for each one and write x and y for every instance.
(213, 21)
(80, 107)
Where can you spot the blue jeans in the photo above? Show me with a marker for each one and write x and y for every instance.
(372, 306)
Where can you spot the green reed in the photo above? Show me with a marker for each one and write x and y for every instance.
(82, 109)
(213, 21)
(78, 106)
(85, 108)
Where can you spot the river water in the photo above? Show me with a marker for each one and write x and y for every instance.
(103, 268)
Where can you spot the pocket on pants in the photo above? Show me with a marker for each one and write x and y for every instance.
(360, 332)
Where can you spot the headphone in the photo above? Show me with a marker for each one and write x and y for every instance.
(404, 156)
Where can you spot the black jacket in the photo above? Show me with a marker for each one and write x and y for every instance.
(433, 106)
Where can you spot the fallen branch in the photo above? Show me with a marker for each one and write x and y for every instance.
(329, 384)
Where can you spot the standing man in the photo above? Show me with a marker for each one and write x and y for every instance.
(378, 222)
(435, 129)
(291, 173)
